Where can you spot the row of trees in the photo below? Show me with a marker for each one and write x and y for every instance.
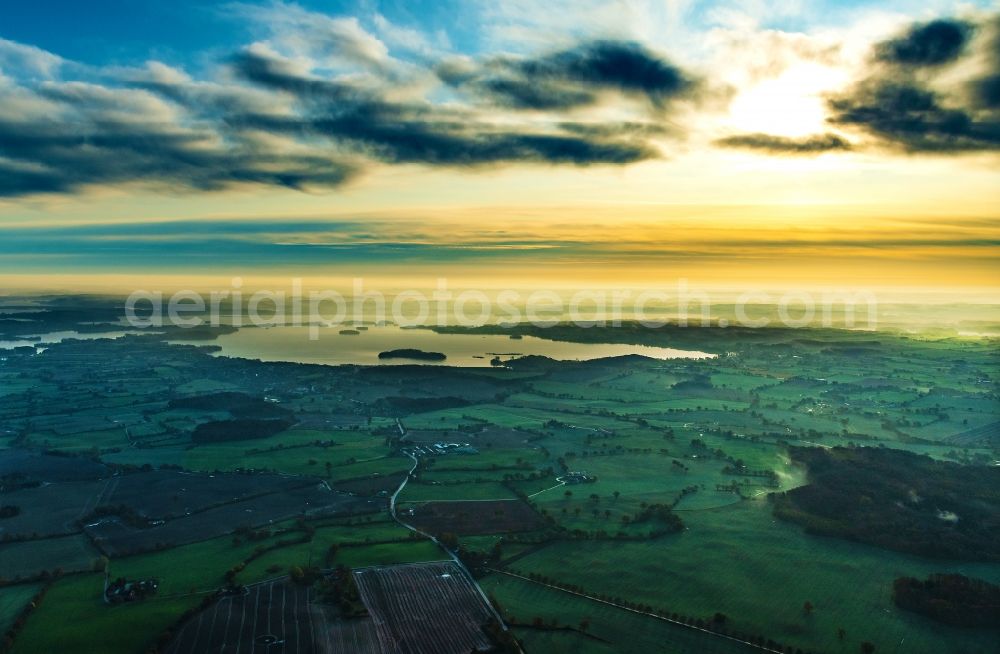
(953, 599)
(22, 618)
(896, 500)
(717, 623)
(221, 431)
(341, 590)
(9, 511)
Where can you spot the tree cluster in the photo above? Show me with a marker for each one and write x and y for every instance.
(953, 599)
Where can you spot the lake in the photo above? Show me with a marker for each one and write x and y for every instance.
(466, 350)
(57, 337)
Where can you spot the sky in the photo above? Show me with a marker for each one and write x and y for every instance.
(851, 143)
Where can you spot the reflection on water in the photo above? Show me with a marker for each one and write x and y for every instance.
(467, 350)
(57, 337)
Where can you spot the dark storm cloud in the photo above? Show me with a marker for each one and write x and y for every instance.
(987, 91)
(418, 132)
(573, 77)
(267, 119)
(61, 157)
(928, 44)
(19, 181)
(386, 133)
(914, 118)
(277, 74)
(773, 144)
(911, 99)
(522, 93)
(626, 66)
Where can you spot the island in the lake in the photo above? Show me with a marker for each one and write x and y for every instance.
(349, 332)
(410, 353)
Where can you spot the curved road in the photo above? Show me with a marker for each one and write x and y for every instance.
(451, 555)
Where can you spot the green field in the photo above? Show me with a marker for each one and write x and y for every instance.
(760, 572)
(30, 558)
(73, 611)
(73, 616)
(610, 629)
(13, 599)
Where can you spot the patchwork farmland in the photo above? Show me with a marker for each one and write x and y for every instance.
(425, 608)
(273, 616)
(669, 519)
(115, 536)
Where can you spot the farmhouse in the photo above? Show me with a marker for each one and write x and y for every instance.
(577, 477)
(122, 590)
(441, 448)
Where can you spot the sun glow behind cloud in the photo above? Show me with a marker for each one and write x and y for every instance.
(792, 104)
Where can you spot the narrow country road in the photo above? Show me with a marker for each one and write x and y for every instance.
(453, 556)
